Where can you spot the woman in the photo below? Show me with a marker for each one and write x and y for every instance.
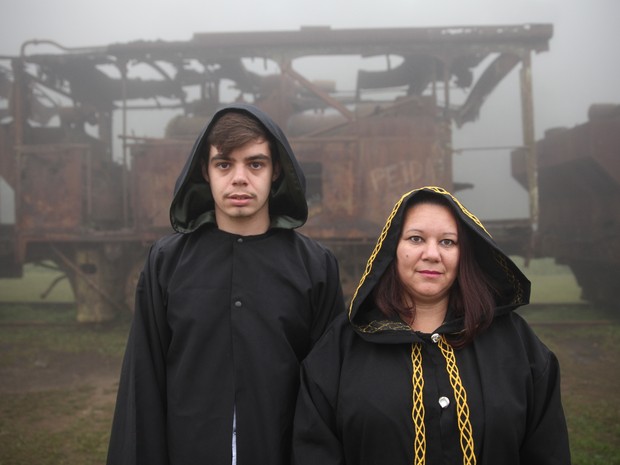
(431, 364)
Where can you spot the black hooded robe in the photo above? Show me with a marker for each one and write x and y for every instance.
(221, 324)
(356, 402)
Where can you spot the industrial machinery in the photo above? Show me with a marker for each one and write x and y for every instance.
(86, 182)
(579, 197)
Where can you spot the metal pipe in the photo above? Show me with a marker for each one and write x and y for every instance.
(529, 138)
(123, 69)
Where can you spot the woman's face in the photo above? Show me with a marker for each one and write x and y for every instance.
(427, 256)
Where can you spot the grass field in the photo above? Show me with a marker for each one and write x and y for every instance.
(34, 286)
(58, 379)
(57, 385)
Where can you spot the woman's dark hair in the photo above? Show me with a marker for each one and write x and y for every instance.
(234, 129)
(470, 297)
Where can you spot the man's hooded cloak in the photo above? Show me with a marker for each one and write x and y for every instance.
(375, 391)
(193, 203)
(221, 324)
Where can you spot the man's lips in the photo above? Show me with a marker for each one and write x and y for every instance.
(239, 199)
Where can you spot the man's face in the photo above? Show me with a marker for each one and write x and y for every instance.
(240, 184)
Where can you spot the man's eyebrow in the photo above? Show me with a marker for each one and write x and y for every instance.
(260, 156)
(219, 156)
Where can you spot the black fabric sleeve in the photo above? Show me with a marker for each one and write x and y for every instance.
(328, 298)
(316, 435)
(546, 441)
(315, 440)
(138, 433)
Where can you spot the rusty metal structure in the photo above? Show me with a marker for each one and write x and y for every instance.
(79, 187)
(579, 195)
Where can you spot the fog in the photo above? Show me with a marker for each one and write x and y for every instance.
(580, 68)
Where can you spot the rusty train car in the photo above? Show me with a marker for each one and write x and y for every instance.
(579, 196)
(369, 113)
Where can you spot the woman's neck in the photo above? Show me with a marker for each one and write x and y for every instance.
(428, 317)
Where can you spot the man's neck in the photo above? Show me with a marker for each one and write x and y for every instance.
(244, 228)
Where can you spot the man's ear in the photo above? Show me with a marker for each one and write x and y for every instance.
(205, 170)
(276, 172)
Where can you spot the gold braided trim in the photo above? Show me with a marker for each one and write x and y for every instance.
(512, 279)
(462, 408)
(378, 245)
(388, 223)
(417, 413)
(460, 396)
(376, 326)
(473, 217)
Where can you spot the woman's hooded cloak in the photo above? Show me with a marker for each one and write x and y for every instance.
(513, 288)
(375, 391)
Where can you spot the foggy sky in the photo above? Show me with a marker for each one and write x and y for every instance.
(581, 67)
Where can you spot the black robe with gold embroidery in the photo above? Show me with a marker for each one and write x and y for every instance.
(221, 325)
(495, 401)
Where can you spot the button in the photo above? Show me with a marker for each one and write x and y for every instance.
(240, 240)
(435, 338)
(238, 303)
(444, 402)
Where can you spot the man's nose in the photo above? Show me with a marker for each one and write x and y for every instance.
(240, 175)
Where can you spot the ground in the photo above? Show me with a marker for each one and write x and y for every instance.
(58, 370)
(58, 383)
(58, 386)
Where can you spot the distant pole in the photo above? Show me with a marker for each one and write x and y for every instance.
(529, 139)
(123, 70)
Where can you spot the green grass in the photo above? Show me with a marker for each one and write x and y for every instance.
(36, 281)
(53, 427)
(551, 283)
(40, 328)
(565, 313)
(594, 431)
(61, 419)
(586, 341)
(53, 313)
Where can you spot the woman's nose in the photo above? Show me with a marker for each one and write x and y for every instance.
(431, 251)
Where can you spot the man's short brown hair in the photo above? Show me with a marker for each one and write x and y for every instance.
(235, 129)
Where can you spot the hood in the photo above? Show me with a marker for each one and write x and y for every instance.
(193, 205)
(512, 286)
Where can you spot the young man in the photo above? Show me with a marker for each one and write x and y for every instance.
(226, 308)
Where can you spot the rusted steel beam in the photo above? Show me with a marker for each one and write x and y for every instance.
(459, 48)
(319, 93)
(491, 76)
(374, 41)
(323, 40)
